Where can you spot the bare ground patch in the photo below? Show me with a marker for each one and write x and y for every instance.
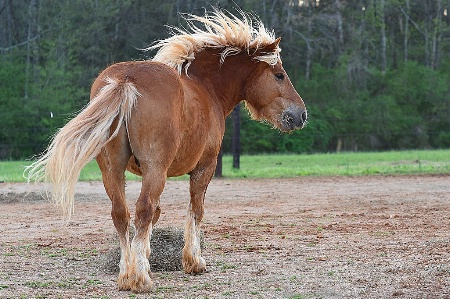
(332, 237)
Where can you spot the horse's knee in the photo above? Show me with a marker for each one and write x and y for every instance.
(120, 210)
(145, 212)
(147, 206)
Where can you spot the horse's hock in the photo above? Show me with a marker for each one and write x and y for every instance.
(166, 246)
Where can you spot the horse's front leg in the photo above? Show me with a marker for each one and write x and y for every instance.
(193, 262)
(147, 212)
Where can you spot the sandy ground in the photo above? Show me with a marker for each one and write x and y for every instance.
(313, 237)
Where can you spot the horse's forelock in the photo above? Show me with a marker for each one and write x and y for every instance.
(220, 30)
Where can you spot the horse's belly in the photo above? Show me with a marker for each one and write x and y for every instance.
(184, 162)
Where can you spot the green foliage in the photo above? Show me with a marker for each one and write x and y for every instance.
(28, 122)
(11, 101)
(403, 108)
(51, 52)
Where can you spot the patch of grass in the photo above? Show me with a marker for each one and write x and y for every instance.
(166, 276)
(379, 163)
(281, 166)
(21, 250)
(380, 234)
(58, 252)
(12, 171)
(27, 247)
(38, 284)
(164, 289)
(91, 282)
(87, 253)
(224, 266)
(67, 283)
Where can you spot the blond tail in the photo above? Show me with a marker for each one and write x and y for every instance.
(81, 140)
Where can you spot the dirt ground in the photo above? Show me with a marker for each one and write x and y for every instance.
(306, 237)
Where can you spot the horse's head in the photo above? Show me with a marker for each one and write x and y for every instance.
(270, 96)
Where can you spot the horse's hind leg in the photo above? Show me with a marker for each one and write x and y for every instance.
(112, 161)
(200, 177)
(147, 212)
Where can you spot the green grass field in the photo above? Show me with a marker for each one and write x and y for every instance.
(282, 166)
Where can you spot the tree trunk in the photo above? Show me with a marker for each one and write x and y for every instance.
(436, 35)
(218, 171)
(309, 50)
(393, 42)
(337, 4)
(426, 33)
(236, 142)
(31, 27)
(406, 33)
(5, 24)
(383, 36)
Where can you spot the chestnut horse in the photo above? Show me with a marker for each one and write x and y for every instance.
(165, 118)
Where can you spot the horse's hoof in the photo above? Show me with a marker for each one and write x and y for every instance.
(195, 268)
(201, 265)
(123, 282)
(142, 284)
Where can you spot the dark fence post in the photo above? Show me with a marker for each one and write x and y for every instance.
(235, 141)
(218, 171)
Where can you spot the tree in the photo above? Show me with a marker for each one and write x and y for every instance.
(342, 57)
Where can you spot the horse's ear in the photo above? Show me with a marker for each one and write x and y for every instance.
(271, 47)
(274, 45)
(277, 41)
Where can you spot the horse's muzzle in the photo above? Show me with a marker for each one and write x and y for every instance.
(293, 119)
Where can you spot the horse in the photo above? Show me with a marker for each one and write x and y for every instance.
(165, 117)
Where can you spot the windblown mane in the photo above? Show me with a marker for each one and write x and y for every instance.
(220, 30)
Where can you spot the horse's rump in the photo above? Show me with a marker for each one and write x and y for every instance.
(82, 138)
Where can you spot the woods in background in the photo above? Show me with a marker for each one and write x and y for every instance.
(374, 74)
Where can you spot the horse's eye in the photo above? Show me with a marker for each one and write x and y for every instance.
(279, 76)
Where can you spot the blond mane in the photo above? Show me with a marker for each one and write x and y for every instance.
(220, 30)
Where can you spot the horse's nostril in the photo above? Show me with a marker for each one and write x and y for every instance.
(304, 117)
(294, 119)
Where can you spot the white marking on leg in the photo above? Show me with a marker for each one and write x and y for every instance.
(140, 265)
(140, 248)
(190, 235)
(192, 259)
(124, 255)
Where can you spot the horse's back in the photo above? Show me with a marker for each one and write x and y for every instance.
(147, 76)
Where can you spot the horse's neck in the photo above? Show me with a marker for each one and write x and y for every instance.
(225, 82)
